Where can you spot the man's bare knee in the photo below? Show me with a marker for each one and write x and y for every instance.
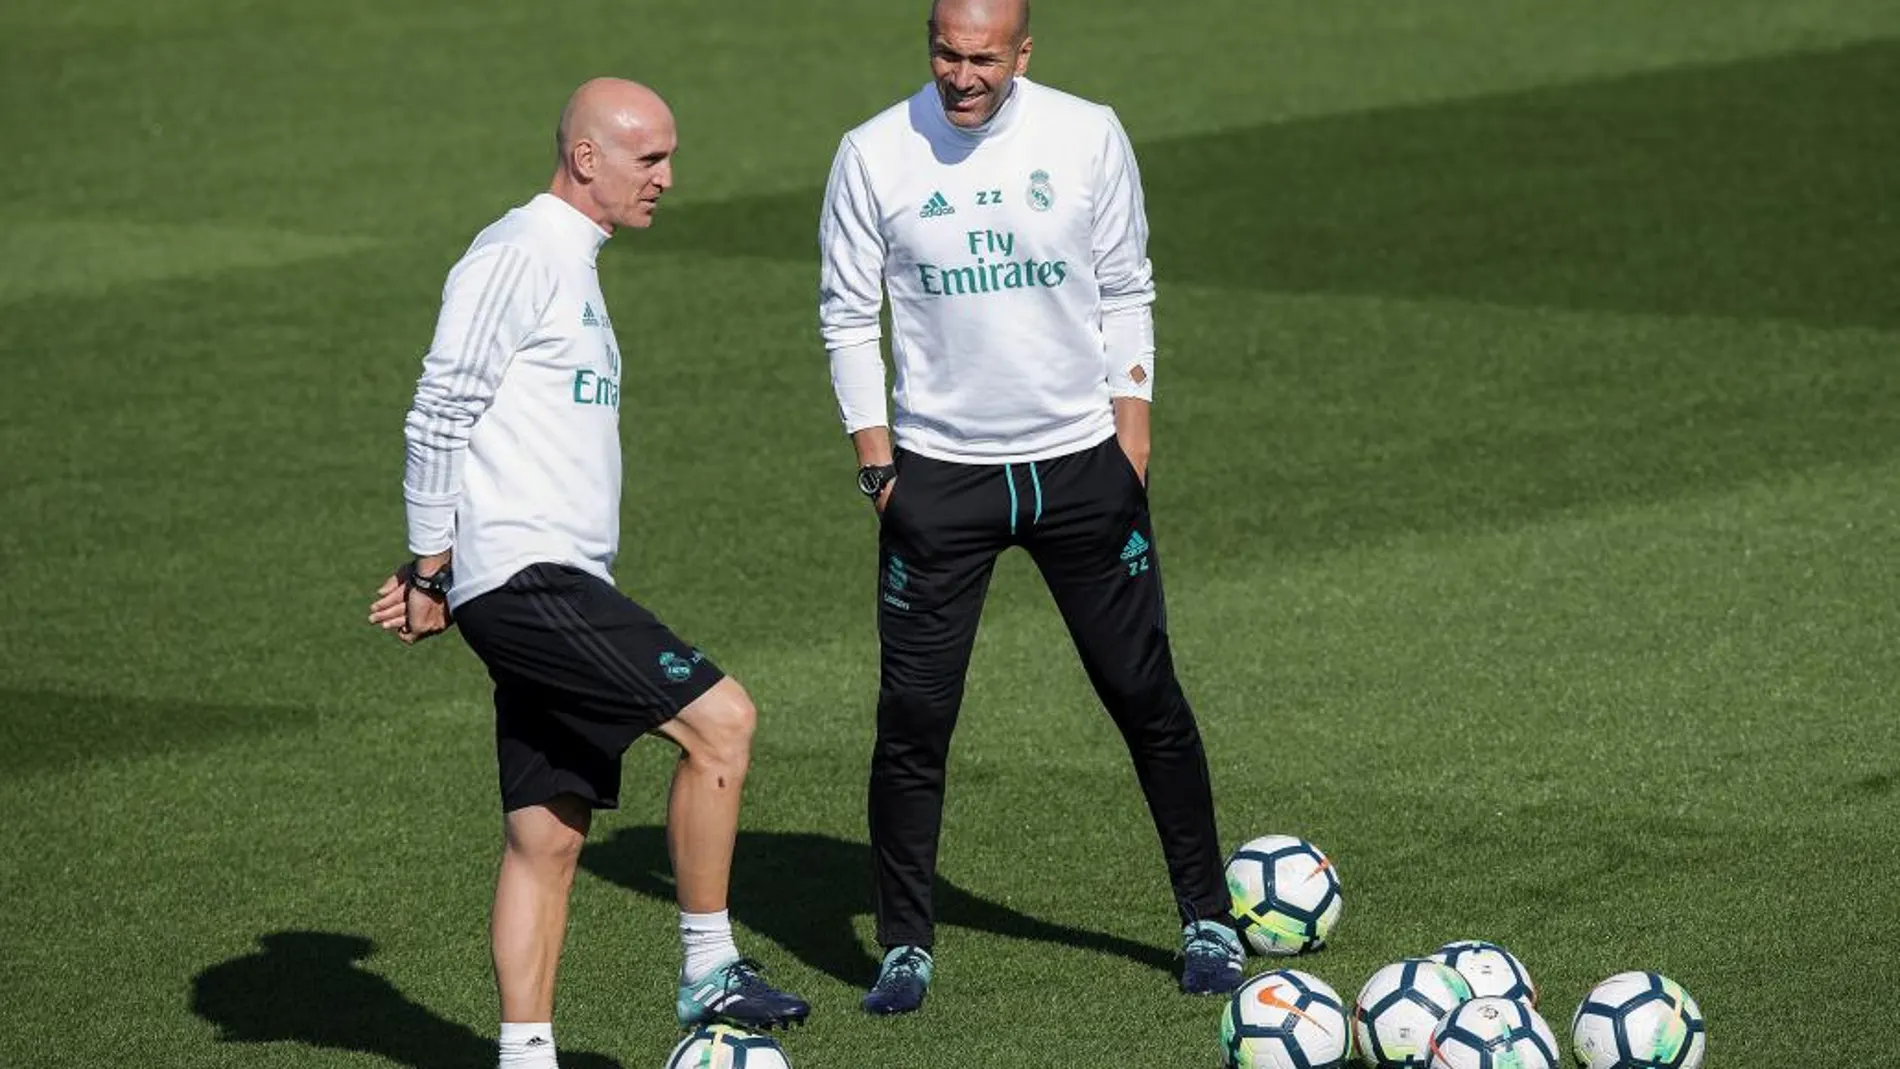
(548, 835)
(716, 729)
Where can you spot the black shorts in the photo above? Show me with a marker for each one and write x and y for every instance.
(580, 672)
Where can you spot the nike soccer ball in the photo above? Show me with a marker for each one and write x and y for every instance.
(1638, 1020)
(1286, 894)
(1393, 1018)
(1493, 1033)
(1491, 970)
(715, 1046)
(1285, 1020)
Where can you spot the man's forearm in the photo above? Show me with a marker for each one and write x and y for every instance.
(1132, 431)
(1132, 426)
(873, 445)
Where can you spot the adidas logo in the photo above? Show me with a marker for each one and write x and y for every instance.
(937, 206)
(1136, 546)
(588, 318)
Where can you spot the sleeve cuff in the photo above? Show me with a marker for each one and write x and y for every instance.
(1128, 344)
(857, 377)
(431, 523)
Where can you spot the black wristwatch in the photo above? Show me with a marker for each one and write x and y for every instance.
(873, 478)
(436, 586)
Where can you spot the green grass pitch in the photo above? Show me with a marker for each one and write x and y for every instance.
(1527, 470)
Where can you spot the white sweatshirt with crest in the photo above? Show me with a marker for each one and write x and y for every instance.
(1014, 257)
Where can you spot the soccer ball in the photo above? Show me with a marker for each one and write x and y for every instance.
(1286, 894)
(716, 1046)
(1285, 1020)
(1493, 1033)
(1491, 970)
(1638, 1020)
(1393, 1018)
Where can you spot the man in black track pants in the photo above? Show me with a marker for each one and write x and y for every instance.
(1004, 220)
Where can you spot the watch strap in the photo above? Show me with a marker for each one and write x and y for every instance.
(873, 478)
(436, 584)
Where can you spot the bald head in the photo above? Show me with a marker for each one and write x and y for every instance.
(605, 107)
(983, 15)
(614, 149)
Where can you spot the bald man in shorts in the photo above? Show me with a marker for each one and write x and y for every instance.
(512, 488)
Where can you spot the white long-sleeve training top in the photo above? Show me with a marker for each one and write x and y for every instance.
(514, 435)
(1015, 259)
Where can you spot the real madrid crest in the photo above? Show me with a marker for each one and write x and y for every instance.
(1042, 196)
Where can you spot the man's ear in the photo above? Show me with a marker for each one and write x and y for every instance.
(584, 158)
(1022, 55)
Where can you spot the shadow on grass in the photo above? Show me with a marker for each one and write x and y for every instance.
(43, 730)
(309, 988)
(1755, 189)
(802, 891)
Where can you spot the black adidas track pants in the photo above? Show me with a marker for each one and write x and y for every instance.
(1084, 519)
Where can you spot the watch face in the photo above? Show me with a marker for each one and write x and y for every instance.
(870, 481)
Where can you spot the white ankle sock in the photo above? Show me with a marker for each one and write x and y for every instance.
(707, 938)
(527, 1046)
